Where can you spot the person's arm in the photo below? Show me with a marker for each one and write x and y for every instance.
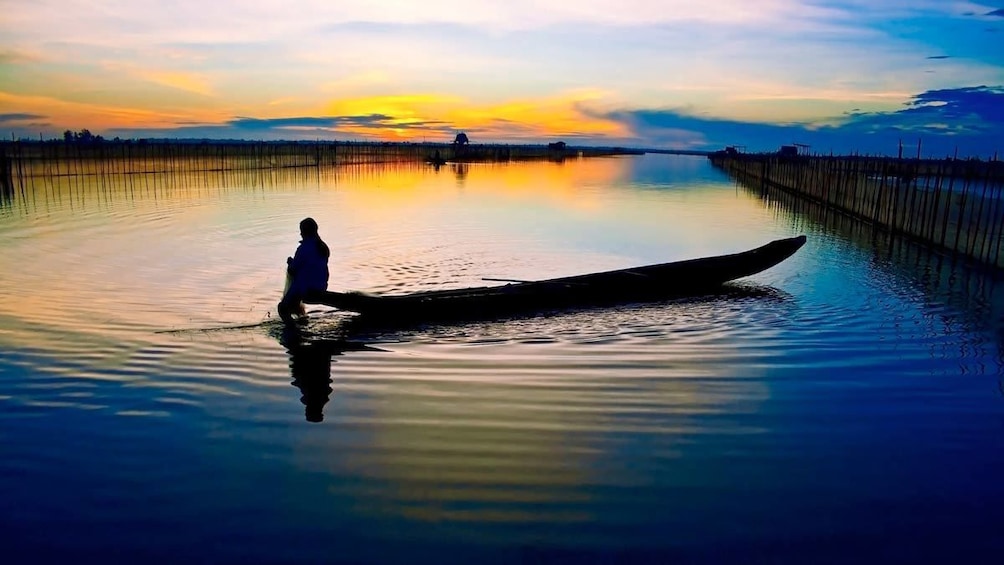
(295, 261)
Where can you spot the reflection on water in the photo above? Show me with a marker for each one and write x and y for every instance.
(840, 404)
(310, 362)
(975, 292)
(310, 366)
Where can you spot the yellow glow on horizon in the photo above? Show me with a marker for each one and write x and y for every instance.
(404, 106)
(548, 117)
(536, 118)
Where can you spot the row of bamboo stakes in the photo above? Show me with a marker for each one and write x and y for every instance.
(24, 160)
(952, 205)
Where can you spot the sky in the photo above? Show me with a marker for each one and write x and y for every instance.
(841, 76)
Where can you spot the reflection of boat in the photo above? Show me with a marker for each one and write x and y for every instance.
(640, 284)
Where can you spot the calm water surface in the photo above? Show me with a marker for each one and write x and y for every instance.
(844, 406)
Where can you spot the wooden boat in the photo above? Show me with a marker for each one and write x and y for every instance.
(640, 284)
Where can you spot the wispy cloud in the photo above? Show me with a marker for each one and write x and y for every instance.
(18, 57)
(96, 117)
(314, 122)
(19, 117)
(188, 82)
(195, 20)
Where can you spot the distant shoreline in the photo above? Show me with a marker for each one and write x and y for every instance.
(521, 148)
(137, 154)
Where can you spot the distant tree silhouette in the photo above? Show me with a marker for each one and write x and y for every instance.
(461, 139)
(82, 136)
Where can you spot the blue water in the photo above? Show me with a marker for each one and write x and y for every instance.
(844, 406)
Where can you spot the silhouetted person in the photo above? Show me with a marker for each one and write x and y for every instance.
(436, 160)
(307, 271)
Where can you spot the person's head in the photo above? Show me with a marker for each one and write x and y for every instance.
(308, 228)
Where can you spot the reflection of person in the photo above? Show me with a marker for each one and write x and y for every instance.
(307, 270)
(311, 370)
(312, 375)
(310, 360)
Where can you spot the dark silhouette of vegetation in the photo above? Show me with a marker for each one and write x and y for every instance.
(461, 139)
(82, 136)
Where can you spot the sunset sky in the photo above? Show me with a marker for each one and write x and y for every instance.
(841, 75)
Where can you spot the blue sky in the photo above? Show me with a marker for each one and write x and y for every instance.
(845, 75)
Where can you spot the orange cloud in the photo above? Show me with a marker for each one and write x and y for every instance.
(95, 116)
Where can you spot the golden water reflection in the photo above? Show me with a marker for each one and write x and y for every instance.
(520, 434)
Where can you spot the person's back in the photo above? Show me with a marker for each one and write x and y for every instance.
(309, 266)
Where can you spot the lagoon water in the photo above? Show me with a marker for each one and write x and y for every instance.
(844, 406)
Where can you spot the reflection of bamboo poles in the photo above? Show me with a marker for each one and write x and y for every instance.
(952, 205)
(6, 178)
(111, 188)
(976, 291)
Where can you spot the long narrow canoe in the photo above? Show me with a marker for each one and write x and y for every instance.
(639, 284)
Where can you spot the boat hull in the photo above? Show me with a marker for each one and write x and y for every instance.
(640, 284)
